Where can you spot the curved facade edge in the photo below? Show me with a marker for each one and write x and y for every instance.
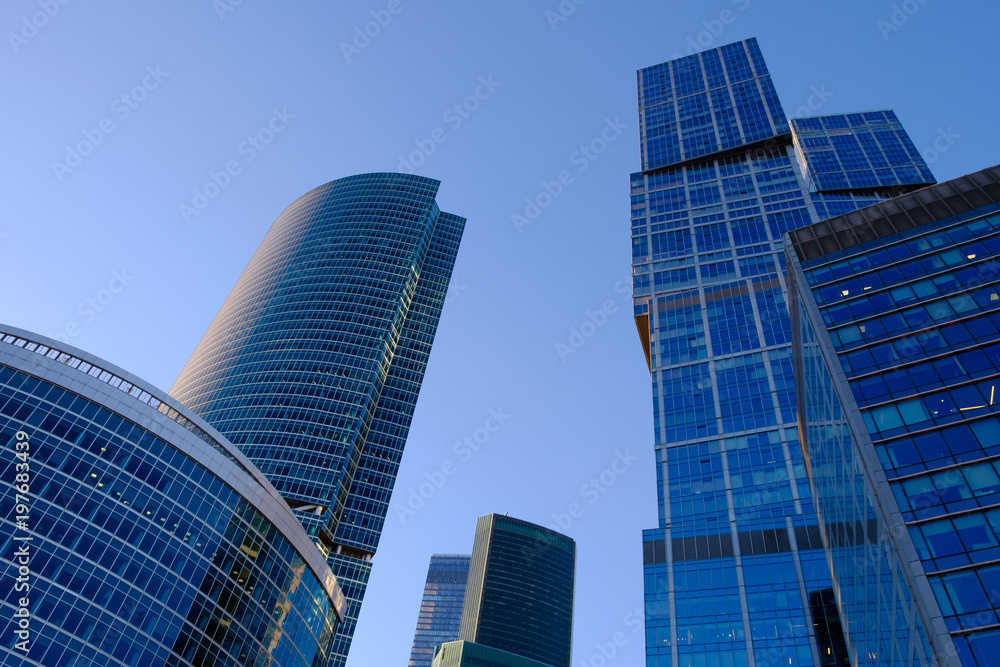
(223, 459)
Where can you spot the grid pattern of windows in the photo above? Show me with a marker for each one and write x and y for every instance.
(140, 554)
(681, 329)
(858, 152)
(726, 210)
(911, 319)
(314, 362)
(689, 409)
(744, 393)
(716, 100)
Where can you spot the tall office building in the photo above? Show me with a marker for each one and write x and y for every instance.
(736, 571)
(441, 606)
(896, 319)
(313, 364)
(133, 533)
(519, 597)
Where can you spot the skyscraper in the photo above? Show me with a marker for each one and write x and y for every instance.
(736, 570)
(896, 314)
(441, 606)
(519, 596)
(133, 533)
(313, 364)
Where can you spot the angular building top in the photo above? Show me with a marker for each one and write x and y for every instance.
(138, 516)
(519, 596)
(858, 151)
(313, 364)
(710, 102)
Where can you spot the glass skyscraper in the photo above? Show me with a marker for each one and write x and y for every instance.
(896, 312)
(735, 573)
(441, 607)
(133, 533)
(313, 364)
(519, 596)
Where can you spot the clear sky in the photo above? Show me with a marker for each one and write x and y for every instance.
(139, 104)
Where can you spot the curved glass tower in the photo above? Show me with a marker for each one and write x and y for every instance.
(519, 595)
(313, 364)
(133, 533)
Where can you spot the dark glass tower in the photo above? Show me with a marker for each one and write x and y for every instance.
(519, 596)
(441, 607)
(133, 533)
(735, 573)
(896, 314)
(313, 364)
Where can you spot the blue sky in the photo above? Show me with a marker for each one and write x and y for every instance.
(201, 121)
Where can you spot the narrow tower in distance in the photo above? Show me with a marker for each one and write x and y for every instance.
(313, 364)
(736, 570)
(441, 606)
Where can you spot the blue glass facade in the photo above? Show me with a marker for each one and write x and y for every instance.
(859, 151)
(899, 335)
(519, 596)
(735, 573)
(441, 606)
(313, 364)
(137, 534)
